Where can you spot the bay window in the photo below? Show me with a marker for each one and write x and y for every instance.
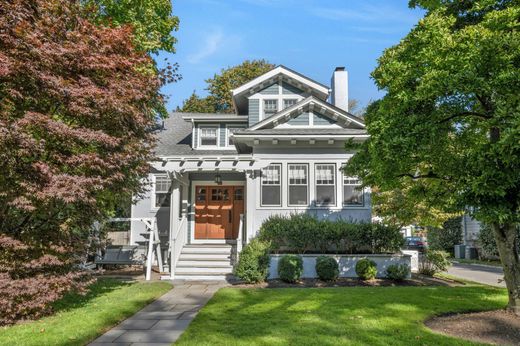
(325, 176)
(298, 184)
(271, 185)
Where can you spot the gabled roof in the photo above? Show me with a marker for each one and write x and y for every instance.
(311, 103)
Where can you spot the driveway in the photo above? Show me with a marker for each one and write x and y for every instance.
(484, 274)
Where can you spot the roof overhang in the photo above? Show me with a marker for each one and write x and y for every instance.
(215, 117)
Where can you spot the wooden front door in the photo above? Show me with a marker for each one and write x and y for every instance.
(217, 211)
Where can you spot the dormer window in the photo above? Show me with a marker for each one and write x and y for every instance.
(270, 107)
(208, 136)
(289, 102)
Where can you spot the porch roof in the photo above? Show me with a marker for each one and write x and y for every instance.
(239, 163)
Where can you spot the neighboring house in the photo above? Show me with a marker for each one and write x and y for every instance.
(221, 175)
(470, 234)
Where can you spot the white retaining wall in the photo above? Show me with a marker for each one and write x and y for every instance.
(347, 264)
(414, 260)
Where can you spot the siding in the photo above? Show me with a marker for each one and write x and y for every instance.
(302, 119)
(320, 119)
(288, 89)
(254, 111)
(270, 90)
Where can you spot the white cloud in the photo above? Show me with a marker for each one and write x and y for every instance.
(211, 45)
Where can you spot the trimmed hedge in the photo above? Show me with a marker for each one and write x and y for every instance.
(253, 263)
(397, 272)
(366, 269)
(303, 233)
(327, 268)
(290, 268)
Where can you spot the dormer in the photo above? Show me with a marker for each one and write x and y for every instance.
(274, 91)
(214, 131)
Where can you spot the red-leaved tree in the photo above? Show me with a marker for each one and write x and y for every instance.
(77, 102)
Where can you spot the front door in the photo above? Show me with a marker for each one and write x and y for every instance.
(217, 211)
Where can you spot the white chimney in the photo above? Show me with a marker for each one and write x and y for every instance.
(339, 86)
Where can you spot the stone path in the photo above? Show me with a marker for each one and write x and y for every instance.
(164, 320)
(484, 274)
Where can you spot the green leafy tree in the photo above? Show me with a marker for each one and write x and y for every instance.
(446, 237)
(219, 87)
(449, 124)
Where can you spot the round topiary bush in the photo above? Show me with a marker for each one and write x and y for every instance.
(366, 269)
(397, 272)
(290, 268)
(327, 268)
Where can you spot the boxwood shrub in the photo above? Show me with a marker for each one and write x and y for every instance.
(253, 263)
(327, 268)
(366, 269)
(290, 268)
(303, 233)
(397, 272)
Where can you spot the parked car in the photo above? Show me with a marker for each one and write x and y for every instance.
(415, 243)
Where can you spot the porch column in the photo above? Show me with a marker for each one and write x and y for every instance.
(251, 192)
(174, 222)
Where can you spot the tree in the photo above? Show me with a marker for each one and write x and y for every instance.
(448, 126)
(77, 102)
(220, 86)
(446, 237)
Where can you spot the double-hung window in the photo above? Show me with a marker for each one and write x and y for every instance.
(162, 192)
(270, 107)
(288, 103)
(352, 194)
(298, 184)
(325, 175)
(271, 185)
(208, 136)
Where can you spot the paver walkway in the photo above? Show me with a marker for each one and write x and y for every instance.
(484, 274)
(164, 320)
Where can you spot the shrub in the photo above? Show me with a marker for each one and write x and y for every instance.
(253, 263)
(447, 237)
(327, 268)
(397, 272)
(366, 269)
(433, 261)
(290, 268)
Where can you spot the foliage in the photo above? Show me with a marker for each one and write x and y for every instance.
(78, 319)
(253, 263)
(447, 128)
(290, 268)
(397, 272)
(447, 237)
(366, 269)
(152, 21)
(487, 244)
(434, 261)
(76, 107)
(327, 268)
(303, 233)
(220, 86)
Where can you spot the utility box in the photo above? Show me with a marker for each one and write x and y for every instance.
(472, 253)
(460, 251)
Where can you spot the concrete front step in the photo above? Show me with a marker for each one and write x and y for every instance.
(210, 250)
(203, 263)
(206, 269)
(197, 277)
(205, 256)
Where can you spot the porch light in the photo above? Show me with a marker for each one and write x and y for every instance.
(218, 179)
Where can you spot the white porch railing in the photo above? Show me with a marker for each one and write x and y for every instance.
(240, 238)
(177, 242)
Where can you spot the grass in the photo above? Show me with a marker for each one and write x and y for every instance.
(494, 263)
(79, 319)
(334, 316)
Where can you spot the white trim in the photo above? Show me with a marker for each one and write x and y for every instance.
(353, 206)
(199, 137)
(280, 164)
(289, 184)
(335, 204)
(153, 196)
(228, 134)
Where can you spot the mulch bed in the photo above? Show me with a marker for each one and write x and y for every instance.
(498, 327)
(416, 280)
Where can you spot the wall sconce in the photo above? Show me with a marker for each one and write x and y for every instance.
(218, 179)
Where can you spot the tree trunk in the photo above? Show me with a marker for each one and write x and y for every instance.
(507, 240)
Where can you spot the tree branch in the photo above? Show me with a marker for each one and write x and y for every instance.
(463, 114)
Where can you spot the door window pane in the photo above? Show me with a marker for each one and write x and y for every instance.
(239, 194)
(325, 184)
(271, 185)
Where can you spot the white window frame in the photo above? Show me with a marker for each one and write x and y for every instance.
(307, 176)
(334, 185)
(154, 192)
(228, 133)
(280, 179)
(276, 100)
(345, 183)
(217, 132)
(289, 99)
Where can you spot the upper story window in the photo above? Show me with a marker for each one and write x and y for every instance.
(271, 185)
(230, 131)
(270, 107)
(208, 136)
(298, 184)
(289, 102)
(162, 192)
(352, 194)
(325, 184)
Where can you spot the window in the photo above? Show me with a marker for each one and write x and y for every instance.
(288, 102)
(325, 184)
(232, 130)
(208, 136)
(162, 192)
(271, 185)
(270, 107)
(298, 184)
(352, 194)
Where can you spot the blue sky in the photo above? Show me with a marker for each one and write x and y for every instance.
(311, 37)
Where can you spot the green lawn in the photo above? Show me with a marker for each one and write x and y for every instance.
(79, 319)
(332, 316)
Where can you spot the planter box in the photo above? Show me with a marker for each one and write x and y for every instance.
(347, 264)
